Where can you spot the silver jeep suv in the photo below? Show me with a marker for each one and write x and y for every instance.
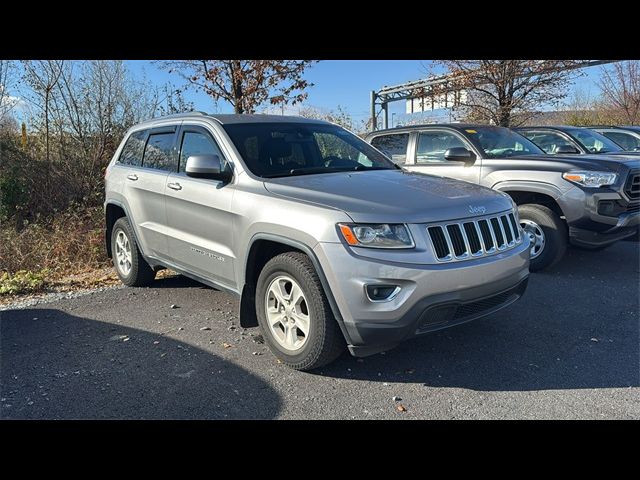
(326, 242)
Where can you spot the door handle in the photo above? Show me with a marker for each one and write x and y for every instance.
(132, 176)
(174, 186)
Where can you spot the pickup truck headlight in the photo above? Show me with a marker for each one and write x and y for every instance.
(384, 235)
(591, 179)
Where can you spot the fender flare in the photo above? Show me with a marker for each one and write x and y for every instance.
(127, 214)
(247, 303)
(529, 186)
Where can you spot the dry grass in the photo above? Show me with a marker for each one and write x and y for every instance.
(71, 243)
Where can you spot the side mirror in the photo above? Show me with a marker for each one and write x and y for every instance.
(566, 149)
(460, 154)
(206, 166)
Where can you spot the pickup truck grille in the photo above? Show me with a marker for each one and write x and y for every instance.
(474, 238)
(632, 187)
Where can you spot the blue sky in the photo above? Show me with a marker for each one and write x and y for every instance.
(338, 82)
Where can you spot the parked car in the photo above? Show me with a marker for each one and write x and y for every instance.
(627, 137)
(568, 140)
(326, 242)
(590, 201)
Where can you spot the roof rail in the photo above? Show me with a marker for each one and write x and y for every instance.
(183, 114)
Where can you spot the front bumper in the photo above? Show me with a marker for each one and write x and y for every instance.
(431, 296)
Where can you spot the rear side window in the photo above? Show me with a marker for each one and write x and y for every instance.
(197, 143)
(157, 153)
(393, 146)
(132, 150)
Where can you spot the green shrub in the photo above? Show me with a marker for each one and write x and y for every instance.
(22, 281)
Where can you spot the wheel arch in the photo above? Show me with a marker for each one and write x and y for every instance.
(540, 193)
(263, 247)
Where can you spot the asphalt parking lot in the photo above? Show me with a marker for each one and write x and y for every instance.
(569, 349)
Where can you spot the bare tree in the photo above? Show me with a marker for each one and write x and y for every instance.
(338, 116)
(620, 85)
(43, 76)
(7, 78)
(245, 84)
(496, 89)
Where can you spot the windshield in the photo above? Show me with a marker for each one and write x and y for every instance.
(594, 142)
(283, 149)
(499, 142)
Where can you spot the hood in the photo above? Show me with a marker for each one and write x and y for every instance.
(599, 162)
(392, 196)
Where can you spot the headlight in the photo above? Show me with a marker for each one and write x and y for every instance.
(591, 179)
(385, 235)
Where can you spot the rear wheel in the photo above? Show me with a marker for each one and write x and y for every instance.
(131, 267)
(547, 234)
(294, 314)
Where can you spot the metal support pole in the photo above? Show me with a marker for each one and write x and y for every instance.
(373, 111)
(385, 111)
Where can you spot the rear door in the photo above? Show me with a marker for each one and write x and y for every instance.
(145, 186)
(199, 213)
(428, 155)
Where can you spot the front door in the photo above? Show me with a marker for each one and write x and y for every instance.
(199, 214)
(429, 156)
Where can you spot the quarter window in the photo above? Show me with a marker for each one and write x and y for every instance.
(197, 143)
(132, 150)
(432, 145)
(393, 146)
(157, 152)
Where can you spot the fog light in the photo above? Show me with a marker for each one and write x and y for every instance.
(381, 293)
(606, 207)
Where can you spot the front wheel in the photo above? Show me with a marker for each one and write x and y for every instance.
(547, 234)
(294, 314)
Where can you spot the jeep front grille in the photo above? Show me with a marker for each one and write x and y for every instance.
(474, 238)
(632, 187)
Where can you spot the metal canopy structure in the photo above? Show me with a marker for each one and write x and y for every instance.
(418, 89)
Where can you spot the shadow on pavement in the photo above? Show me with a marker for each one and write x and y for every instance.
(77, 368)
(576, 327)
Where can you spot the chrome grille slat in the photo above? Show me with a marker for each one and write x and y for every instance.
(456, 241)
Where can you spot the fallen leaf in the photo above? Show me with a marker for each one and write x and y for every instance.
(401, 408)
(227, 345)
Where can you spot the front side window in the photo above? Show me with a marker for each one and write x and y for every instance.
(433, 145)
(157, 152)
(283, 149)
(198, 143)
(594, 142)
(132, 151)
(393, 146)
(500, 142)
(627, 141)
(548, 141)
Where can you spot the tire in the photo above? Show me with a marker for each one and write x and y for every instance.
(554, 230)
(323, 342)
(139, 273)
